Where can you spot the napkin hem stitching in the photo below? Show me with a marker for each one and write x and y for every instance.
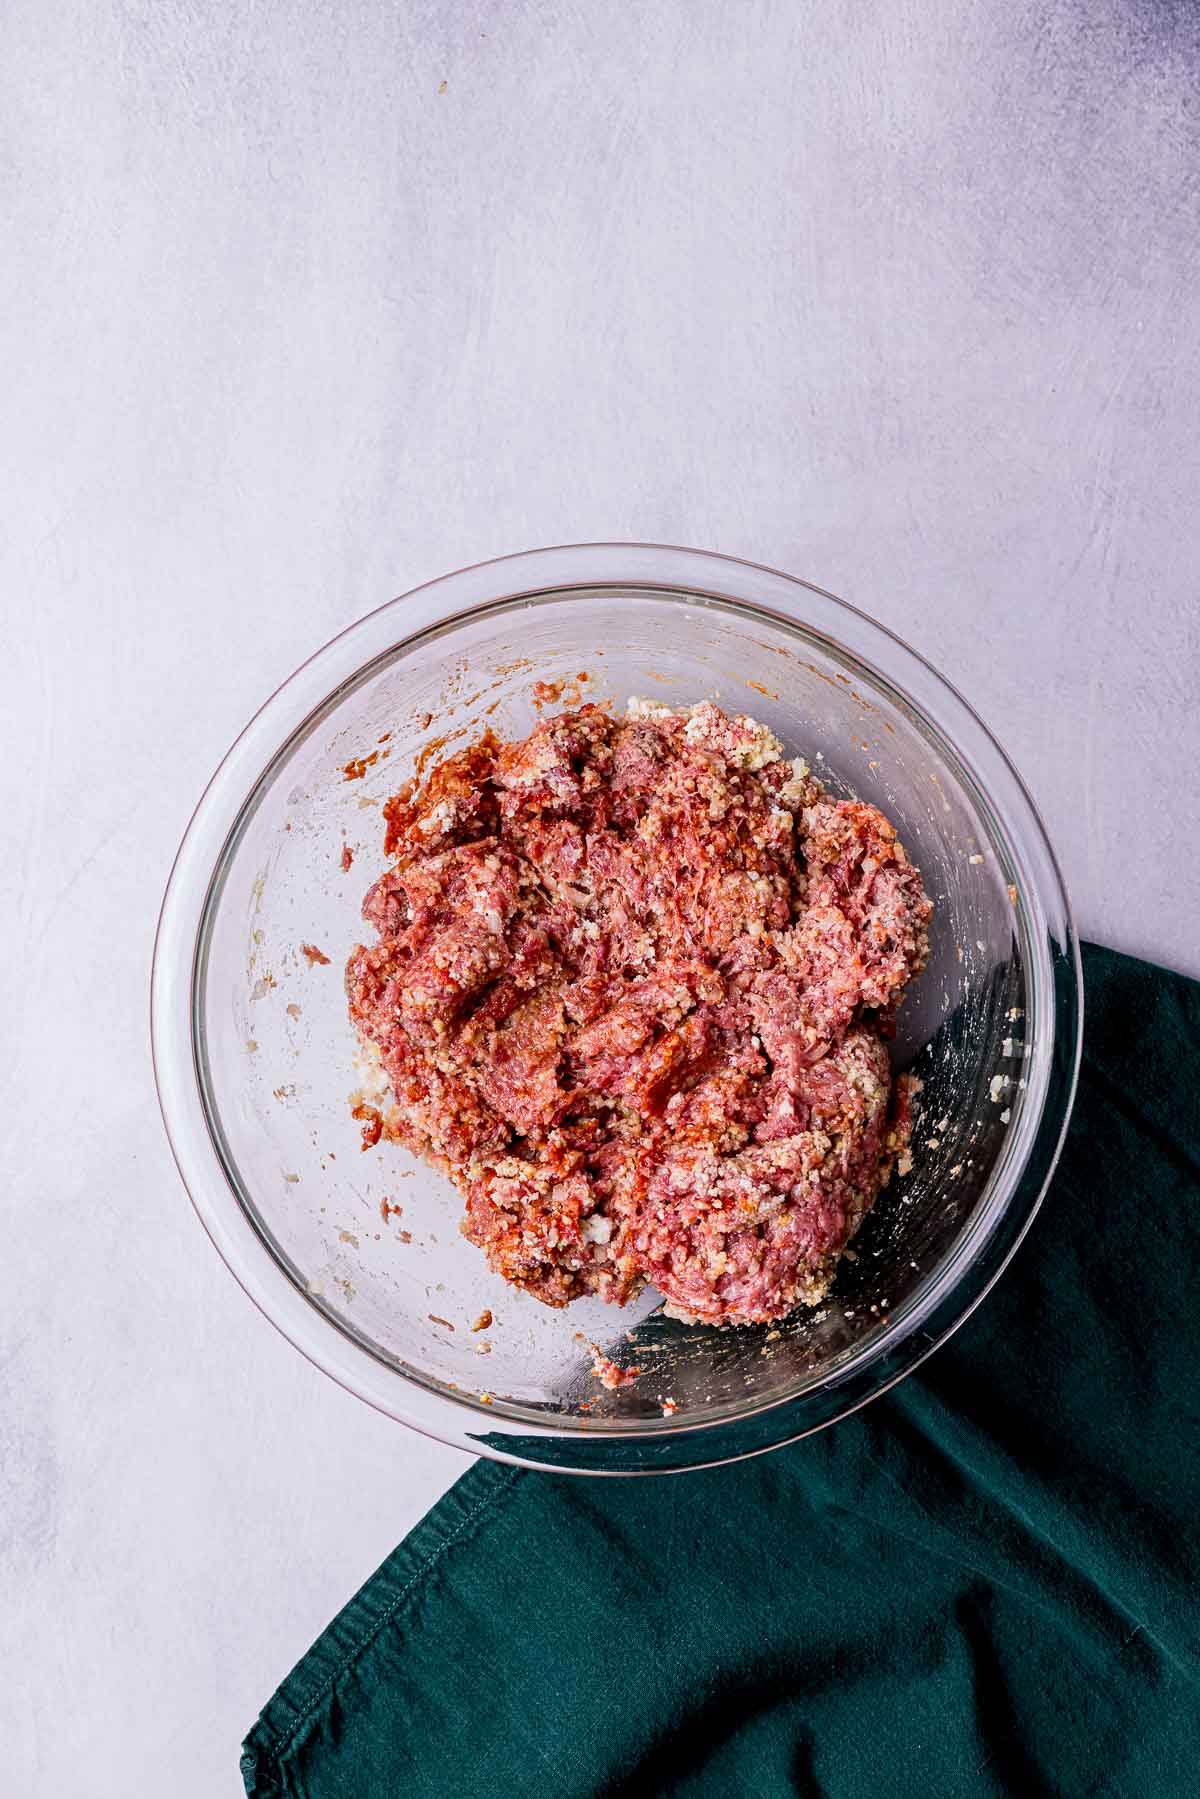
(373, 1630)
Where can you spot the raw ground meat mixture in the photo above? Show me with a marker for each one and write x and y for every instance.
(631, 988)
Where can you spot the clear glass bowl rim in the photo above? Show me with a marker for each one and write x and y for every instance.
(1049, 942)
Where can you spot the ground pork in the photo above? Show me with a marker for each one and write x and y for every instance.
(630, 986)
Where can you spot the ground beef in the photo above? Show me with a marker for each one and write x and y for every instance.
(630, 990)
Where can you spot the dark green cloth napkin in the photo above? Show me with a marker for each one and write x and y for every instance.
(984, 1583)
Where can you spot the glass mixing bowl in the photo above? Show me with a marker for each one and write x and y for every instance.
(356, 1256)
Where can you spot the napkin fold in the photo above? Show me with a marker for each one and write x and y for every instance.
(987, 1582)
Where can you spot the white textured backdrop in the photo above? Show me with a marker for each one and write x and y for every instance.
(303, 303)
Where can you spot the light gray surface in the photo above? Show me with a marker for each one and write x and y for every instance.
(898, 297)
